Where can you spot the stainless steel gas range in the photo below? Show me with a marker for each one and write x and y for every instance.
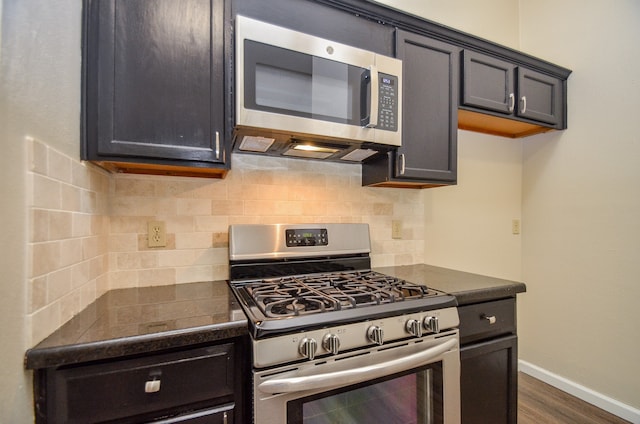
(334, 341)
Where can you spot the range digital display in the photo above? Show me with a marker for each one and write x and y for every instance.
(307, 237)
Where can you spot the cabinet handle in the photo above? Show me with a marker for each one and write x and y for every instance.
(491, 318)
(524, 104)
(512, 102)
(224, 418)
(217, 145)
(152, 386)
(402, 164)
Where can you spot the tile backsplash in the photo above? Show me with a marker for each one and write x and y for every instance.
(67, 240)
(89, 228)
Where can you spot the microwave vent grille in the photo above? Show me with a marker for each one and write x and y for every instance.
(255, 144)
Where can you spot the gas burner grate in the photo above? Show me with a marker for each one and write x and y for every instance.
(301, 295)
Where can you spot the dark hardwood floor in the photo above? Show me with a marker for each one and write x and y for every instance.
(540, 403)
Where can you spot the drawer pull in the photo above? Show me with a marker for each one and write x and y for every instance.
(491, 318)
(152, 386)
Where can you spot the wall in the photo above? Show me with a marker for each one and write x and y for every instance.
(39, 97)
(67, 237)
(579, 196)
(468, 226)
(588, 243)
(581, 201)
(495, 20)
(197, 213)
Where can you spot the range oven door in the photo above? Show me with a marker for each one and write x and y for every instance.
(410, 382)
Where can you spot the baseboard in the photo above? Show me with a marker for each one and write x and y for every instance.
(597, 399)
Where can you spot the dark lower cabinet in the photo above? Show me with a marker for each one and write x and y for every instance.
(155, 88)
(489, 362)
(489, 381)
(196, 385)
(428, 155)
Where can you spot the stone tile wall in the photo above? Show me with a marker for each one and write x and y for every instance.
(90, 228)
(68, 234)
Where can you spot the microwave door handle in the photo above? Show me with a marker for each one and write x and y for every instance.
(357, 375)
(373, 107)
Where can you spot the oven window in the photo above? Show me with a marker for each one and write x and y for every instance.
(408, 398)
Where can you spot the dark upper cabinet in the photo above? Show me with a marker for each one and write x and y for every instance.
(487, 83)
(327, 21)
(428, 155)
(533, 100)
(539, 97)
(154, 86)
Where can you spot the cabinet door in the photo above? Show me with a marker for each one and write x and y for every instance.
(489, 381)
(540, 97)
(155, 80)
(487, 83)
(429, 110)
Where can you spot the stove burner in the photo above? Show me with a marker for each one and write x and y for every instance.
(301, 295)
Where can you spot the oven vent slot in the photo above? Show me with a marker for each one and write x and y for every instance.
(280, 372)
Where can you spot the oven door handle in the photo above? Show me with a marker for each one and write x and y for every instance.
(356, 375)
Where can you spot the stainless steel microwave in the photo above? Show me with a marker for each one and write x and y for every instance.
(301, 96)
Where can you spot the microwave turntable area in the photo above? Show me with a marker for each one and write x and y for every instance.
(349, 81)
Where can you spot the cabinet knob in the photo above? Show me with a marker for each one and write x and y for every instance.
(491, 318)
(152, 386)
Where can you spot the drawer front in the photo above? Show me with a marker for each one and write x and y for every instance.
(143, 386)
(486, 320)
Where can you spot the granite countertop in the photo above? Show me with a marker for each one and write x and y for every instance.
(140, 320)
(134, 321)
(466, 287)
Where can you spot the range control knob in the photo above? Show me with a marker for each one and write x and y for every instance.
(308, 348)
(431, 324)
(414, 328)
(376, 334)
(331, 342)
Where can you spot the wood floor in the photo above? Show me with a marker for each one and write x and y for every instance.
(540, 403)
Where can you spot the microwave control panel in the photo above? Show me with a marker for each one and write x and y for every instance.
(387, 102)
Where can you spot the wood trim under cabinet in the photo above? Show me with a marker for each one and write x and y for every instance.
(494, 125)
(156, 169)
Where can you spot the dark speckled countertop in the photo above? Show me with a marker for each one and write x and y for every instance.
(466, 287)
(136, 321)
(140, 320)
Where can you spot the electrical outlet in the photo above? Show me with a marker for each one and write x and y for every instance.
(396, 229)
(157, 235)
(515, 226)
